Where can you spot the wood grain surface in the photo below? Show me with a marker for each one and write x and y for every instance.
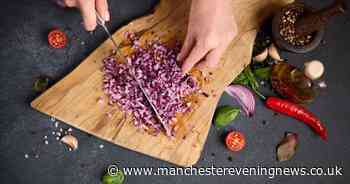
(74, 99)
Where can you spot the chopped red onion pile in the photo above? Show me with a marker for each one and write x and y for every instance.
(155, 67)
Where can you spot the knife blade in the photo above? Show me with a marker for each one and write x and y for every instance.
(102, 23)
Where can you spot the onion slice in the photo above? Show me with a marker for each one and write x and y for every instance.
(243, 96)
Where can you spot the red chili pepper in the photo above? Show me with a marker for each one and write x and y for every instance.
(298, 112)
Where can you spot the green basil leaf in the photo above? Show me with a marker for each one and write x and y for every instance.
(263, 73)
(118, 178)
(224, 115)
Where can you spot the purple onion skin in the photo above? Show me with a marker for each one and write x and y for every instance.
(157, 70)
(244, 97)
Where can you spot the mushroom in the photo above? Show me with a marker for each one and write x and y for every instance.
(273, 52)
(262, 56)
(313, 69)
(70, 141)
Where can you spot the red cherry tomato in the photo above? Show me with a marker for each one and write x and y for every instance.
(57, 39)
(235, 141)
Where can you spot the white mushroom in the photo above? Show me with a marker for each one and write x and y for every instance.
(273, 52)
(70, 141)
(313, 69)
(262, 56)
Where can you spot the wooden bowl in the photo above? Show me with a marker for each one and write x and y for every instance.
(281, 43)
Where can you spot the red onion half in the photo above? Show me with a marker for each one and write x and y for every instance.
(243, 96)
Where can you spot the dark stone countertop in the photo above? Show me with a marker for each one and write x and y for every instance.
(24, 55)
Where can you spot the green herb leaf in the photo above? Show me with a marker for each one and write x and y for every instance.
(247, 78)
(118, 178)
(253, 83)
(41, 84)
(263, 73)
(224, 115)
(241, 79)
(287, 147)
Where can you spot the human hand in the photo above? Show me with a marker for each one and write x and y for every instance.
(210, 30)
(88, 8)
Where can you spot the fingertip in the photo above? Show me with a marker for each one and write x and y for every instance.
(185, 68)
(89, 26)
(179, 57)
(87, 9)
(187, 65)
(193, 58)
(67, 3)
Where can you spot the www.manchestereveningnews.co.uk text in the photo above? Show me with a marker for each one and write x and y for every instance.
(269, 172)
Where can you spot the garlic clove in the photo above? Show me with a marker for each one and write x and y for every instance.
(313, 69)
(262, 56)
(273, 52)
(70, 141)
(322, 84)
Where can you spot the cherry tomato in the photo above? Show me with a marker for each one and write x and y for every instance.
(57, 39)
(235, 141)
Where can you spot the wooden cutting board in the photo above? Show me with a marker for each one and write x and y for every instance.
(74, 99)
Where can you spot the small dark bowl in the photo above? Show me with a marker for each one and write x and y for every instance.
(281, 43)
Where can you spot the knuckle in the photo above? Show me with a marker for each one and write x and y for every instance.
(211, 42)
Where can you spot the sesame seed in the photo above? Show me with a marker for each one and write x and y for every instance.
(61, 130)
(58, 134)
(46, 142)
(53, 133)
(52, 119)
(45, 137)
(56, 124)
(70, 129)
(26, 156)
(101, 146)
(57, 138)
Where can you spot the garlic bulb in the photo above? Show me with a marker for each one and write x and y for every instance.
(313, 69)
